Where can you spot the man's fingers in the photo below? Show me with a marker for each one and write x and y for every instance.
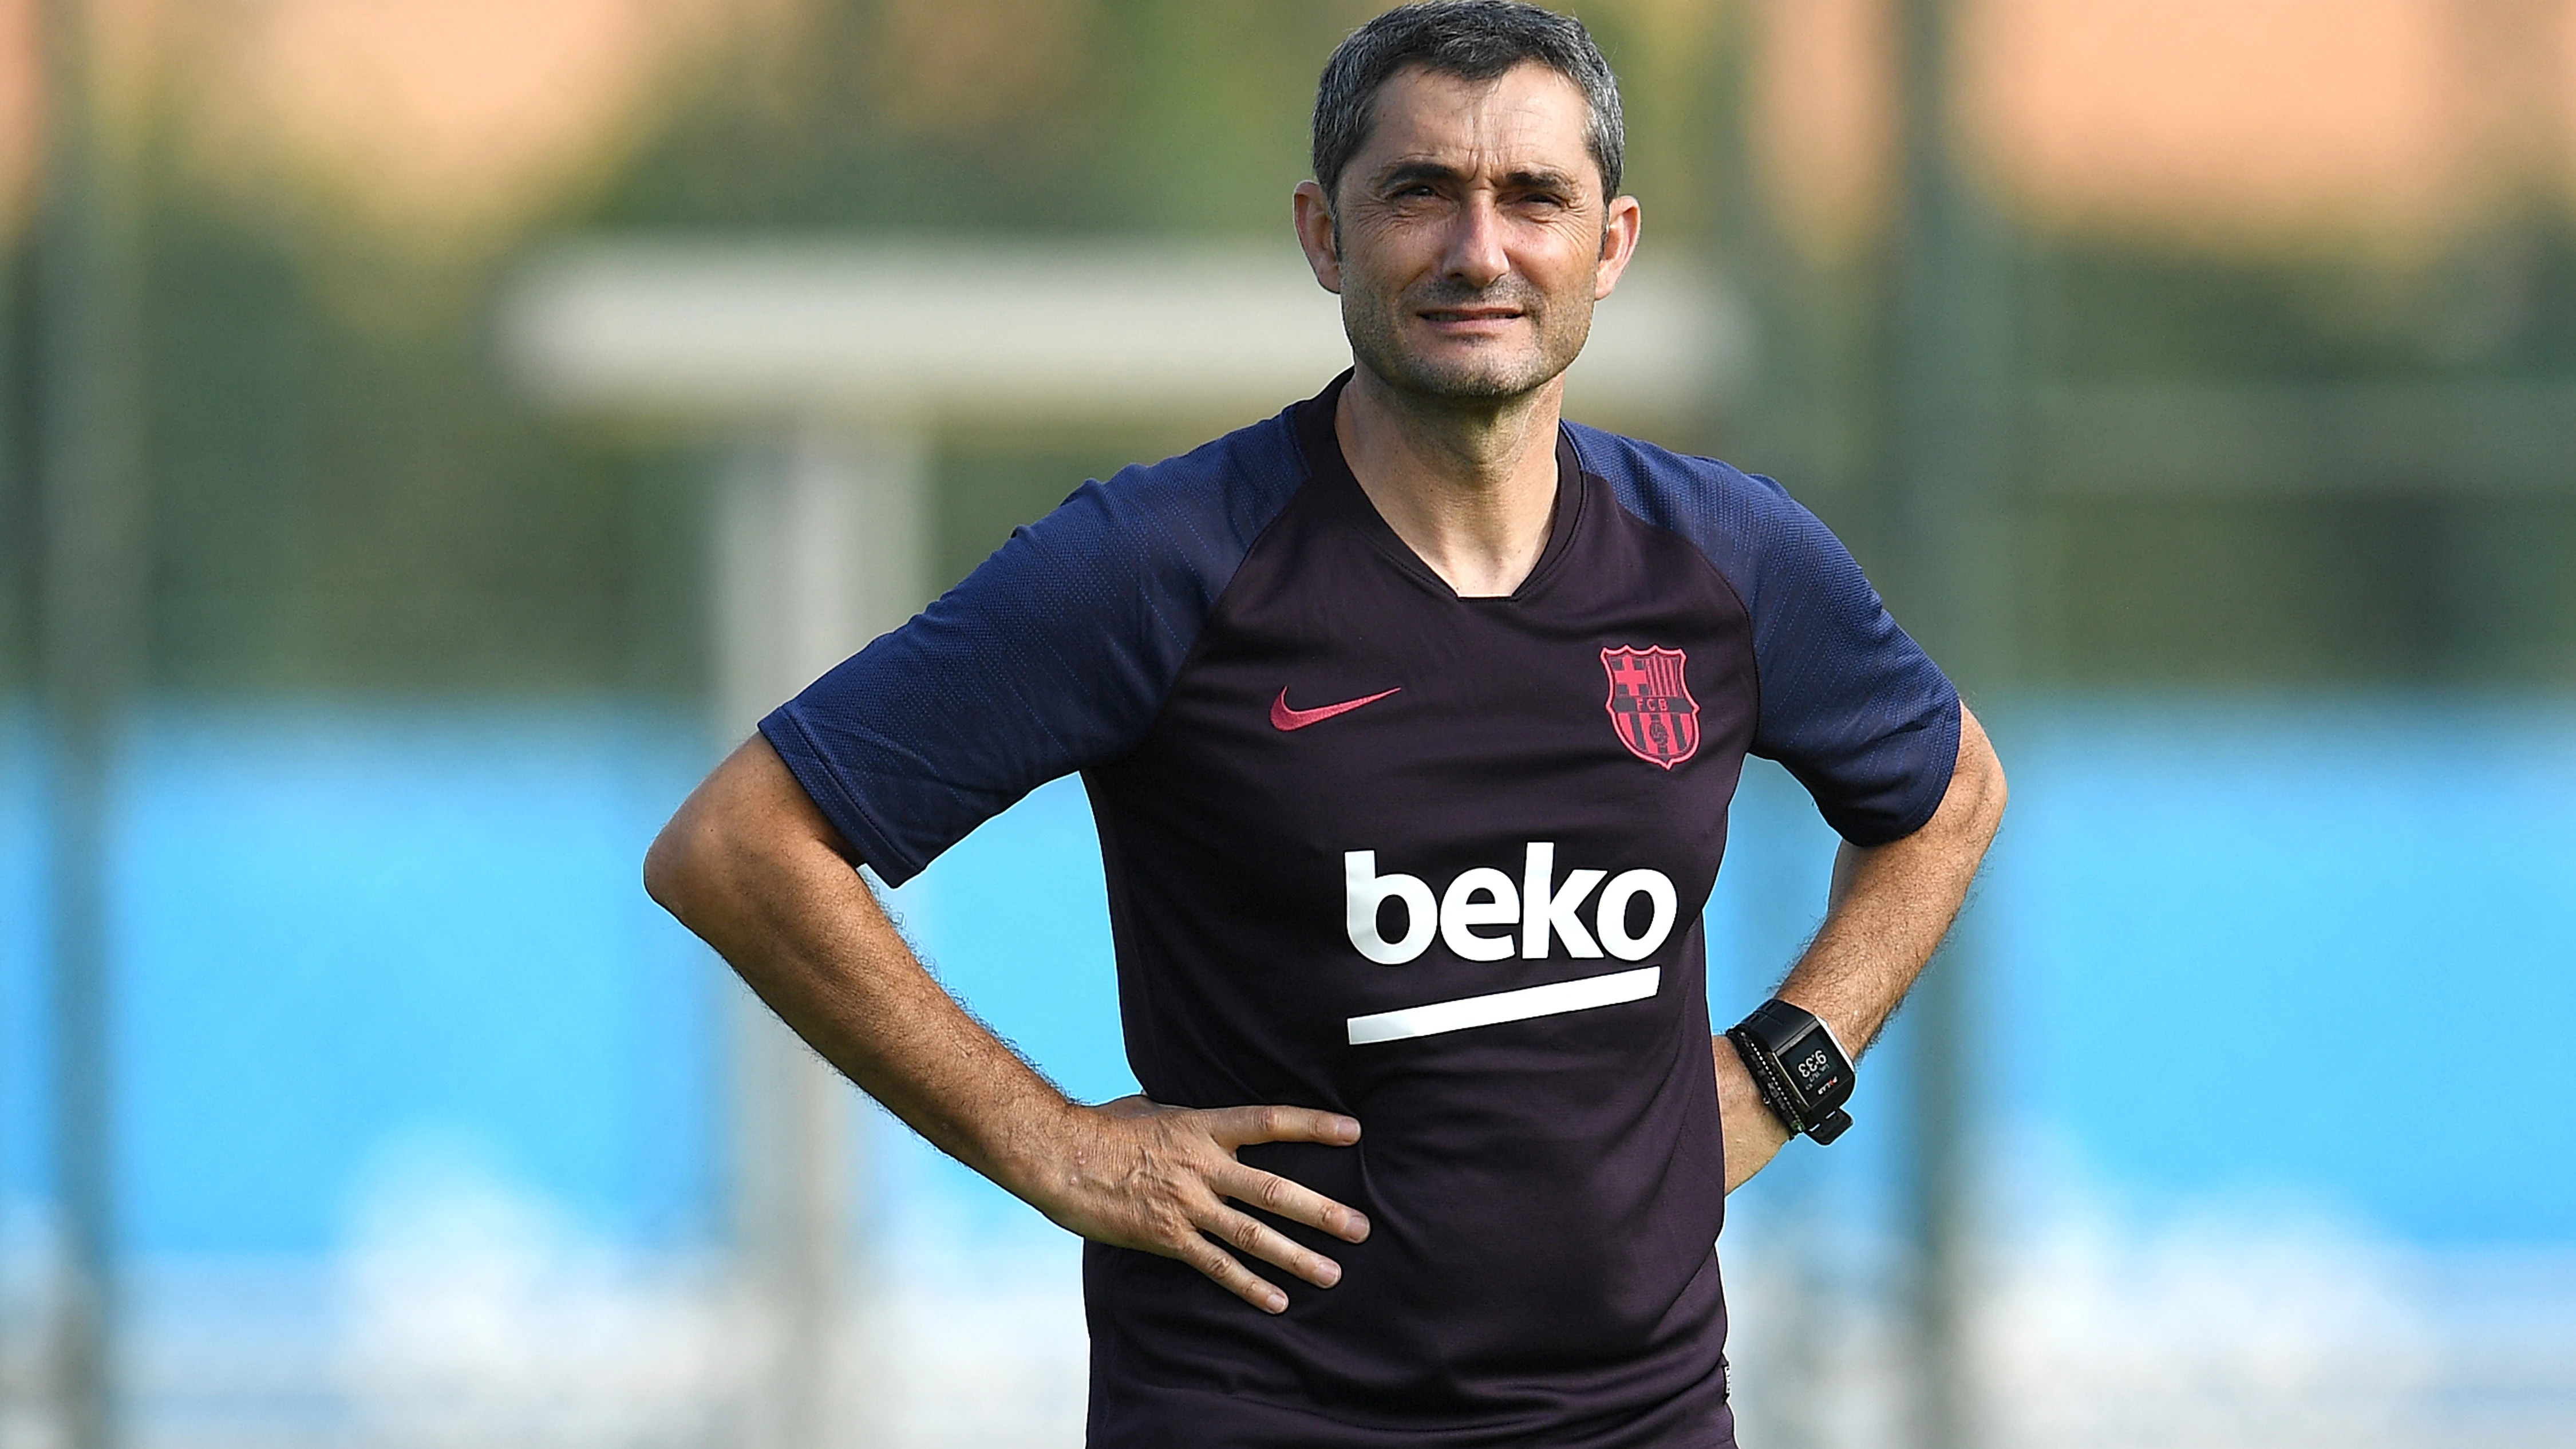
(1234, 1127)
(1177, 1166)
(1250, 1235)
(1232, 1276)
(1296, 1202)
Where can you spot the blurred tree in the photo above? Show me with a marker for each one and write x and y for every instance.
(2253, 236)
(347, 498)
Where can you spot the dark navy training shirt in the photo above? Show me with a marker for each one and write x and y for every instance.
(1431, 861)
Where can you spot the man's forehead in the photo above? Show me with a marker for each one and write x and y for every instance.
(1528, 119)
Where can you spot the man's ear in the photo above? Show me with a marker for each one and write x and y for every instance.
(1319, 234)
(1621, 222)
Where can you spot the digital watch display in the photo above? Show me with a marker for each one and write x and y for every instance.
(1804, 1074)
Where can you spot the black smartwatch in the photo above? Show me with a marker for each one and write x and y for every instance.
(1804, 1075)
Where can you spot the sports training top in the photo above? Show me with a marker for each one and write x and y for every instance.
(1431, 861)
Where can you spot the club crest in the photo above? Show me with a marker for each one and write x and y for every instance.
(1650, 704)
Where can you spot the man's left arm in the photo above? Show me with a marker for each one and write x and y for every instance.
(1889, 908)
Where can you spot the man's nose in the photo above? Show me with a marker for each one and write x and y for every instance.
(1476, 254)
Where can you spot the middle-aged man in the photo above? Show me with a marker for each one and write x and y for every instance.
(1410, 718)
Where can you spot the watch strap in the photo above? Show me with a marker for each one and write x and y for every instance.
(1806, 1094)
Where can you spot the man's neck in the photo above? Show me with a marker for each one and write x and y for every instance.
(1471, 490)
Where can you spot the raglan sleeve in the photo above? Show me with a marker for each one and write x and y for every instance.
(1850, 704)
(1053, 656)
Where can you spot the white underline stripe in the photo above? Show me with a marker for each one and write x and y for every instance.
(1555, 998)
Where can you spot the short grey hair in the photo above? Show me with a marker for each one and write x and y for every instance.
(1474, 40)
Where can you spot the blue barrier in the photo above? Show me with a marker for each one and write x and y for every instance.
(345, 930)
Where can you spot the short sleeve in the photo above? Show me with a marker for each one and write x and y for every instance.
(1849, 703)
(1054, 656)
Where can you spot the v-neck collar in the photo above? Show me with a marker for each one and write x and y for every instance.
(1322, 445)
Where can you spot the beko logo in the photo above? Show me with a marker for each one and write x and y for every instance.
(1485, 898)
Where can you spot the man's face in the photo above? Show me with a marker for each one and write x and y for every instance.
(1473, 236)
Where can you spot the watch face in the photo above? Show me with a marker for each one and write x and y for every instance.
(1813, 1065)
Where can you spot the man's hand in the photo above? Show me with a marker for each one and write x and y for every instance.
(751, 866)
(1891, 905)
(1137, 1174)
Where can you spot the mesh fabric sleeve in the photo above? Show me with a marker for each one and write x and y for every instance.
(1849, 703)
(1053, 656)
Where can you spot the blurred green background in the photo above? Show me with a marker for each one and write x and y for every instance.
(346, 495)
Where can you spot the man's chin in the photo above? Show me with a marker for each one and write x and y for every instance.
(1484, 381)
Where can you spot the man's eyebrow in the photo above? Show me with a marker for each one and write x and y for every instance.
(1404, 173)
(1539, 178)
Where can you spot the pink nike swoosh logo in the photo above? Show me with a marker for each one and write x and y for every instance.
(1282, 717)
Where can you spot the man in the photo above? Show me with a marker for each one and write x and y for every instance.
(1410, 718)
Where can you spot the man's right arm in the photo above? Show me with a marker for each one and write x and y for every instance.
(753, 868)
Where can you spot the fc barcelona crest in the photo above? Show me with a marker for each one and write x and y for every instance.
(1650, 704)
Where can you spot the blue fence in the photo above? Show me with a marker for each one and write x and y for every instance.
(2318, 950)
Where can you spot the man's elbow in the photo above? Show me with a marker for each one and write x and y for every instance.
(671, 870)
(1991, 799)
(688, 864)
(1992, 792)
(1979, 783)
(745, 823)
